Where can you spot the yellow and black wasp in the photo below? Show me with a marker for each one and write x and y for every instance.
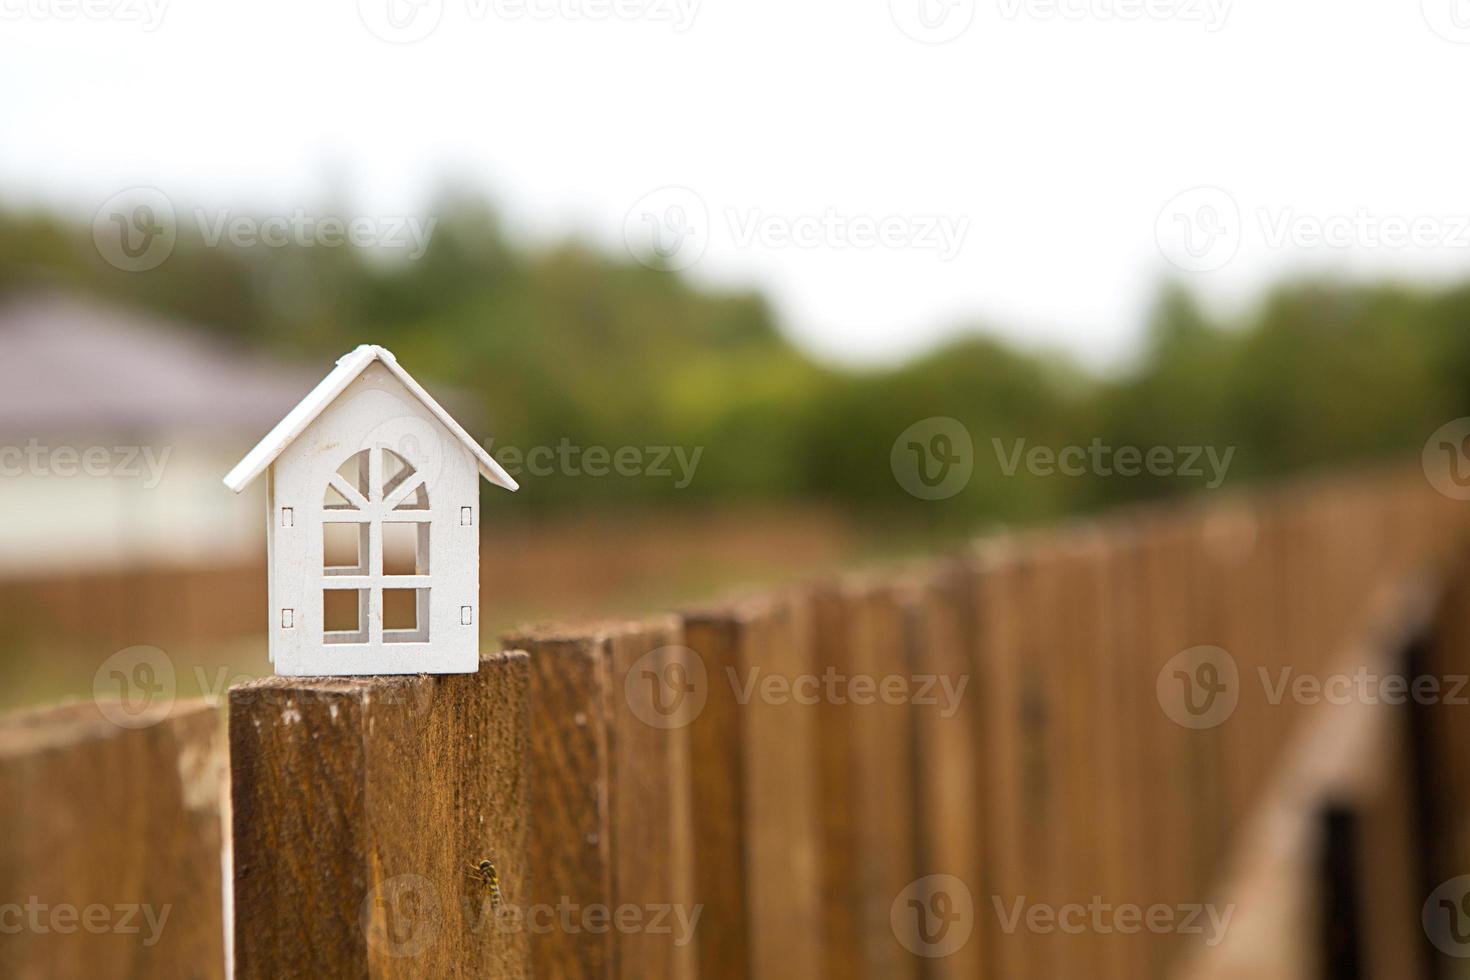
(485, 871)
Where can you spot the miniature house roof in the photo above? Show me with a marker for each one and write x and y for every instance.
(304, 414)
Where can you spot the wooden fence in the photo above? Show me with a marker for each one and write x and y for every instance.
(1119, 749)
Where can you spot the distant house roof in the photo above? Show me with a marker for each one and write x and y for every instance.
(69, 365)
(349, 366)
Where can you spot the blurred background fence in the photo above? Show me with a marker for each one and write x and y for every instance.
(1160, 743)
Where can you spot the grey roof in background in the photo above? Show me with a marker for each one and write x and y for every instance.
(68, 365)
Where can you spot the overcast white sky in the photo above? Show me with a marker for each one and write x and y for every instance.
(1023, 173)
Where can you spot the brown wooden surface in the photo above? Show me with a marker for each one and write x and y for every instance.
(651, 812)
(1002, 757)
(837, 790)
(947, 739)
(359, 804)
(766, 642)
(569, 843)
(613, 801)
(873, 861)
(97, 816)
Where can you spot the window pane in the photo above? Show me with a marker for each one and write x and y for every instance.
(405, 548)
(354, 473)
(344, 548)
(405, 615)
(345, 615)
(396, 469)
(417, 499)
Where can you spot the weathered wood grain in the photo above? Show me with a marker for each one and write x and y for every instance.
(570, 838)
(111, 845)
(756, 789)
(1007, 726)
(947, 758)
(868, 788)
(612, 796)
(651, 808)
(359, 806)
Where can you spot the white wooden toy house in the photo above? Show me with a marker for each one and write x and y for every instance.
(373, 544)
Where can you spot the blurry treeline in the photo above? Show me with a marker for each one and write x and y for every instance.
(568, 343)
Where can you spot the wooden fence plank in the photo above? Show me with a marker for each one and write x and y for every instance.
(570, 838)
(841, 850)
(359, 806)
(1048, 759)
(947, 757)
(111, 845)
(756, 789)
(651, 809)
(1132, 680)
(867, 776)
(1006, 731)
(613, 800)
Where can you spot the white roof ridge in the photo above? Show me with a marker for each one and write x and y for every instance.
(349, 366)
